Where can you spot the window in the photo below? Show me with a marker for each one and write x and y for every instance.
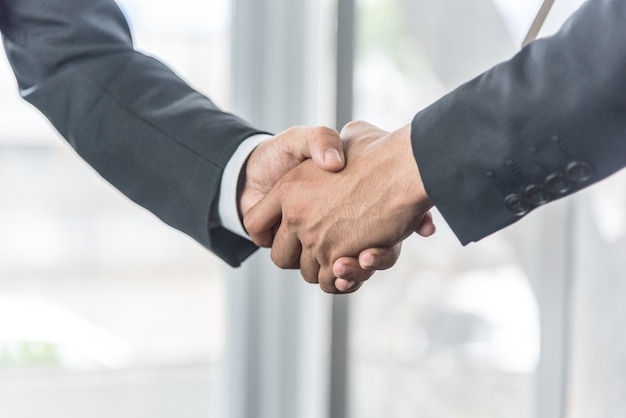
(450, 331)
(104, 310)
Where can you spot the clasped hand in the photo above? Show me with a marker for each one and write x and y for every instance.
(336, 224)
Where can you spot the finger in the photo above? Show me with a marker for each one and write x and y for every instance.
(349, 274)
(427, 227)
(348, 268)
(320, 143)
(260, 220)
(346, 286)
(327, 279)
(379, 258)
(369, 260)
(286, 250)
(360, 129)
(309, 268)
(343, 285)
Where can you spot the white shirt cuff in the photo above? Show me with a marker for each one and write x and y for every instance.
(228, 208)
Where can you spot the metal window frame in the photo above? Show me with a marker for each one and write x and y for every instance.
(278, 347)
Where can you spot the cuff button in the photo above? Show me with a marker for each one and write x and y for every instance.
(537, 194)
(517, 204)
(579, 171)
(557, 183)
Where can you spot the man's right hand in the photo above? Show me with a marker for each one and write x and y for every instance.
(313, 218)
(274, 158)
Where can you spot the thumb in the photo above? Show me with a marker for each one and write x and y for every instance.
(261, 220)
(319, 143)
(427, 227)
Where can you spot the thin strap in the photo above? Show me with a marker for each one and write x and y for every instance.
(539, 19)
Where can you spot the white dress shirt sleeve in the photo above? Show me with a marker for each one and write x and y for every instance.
(228, 211)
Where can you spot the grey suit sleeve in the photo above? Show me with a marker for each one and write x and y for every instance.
(137, 123)
(539, 127)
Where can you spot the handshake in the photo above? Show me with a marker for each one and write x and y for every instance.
(336, 206)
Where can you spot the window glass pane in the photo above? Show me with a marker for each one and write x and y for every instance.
(104, 310)
(596, 379)
(450, 331)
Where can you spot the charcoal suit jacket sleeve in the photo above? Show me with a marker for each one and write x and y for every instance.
(539, 127)
(130, 117)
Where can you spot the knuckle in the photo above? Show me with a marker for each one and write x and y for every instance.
(324, 131)
(294, 130)
(327, 284)
(309, 242)
(309, 278)
(250, 222)
(293, 218)
(284, 262)
(329, 289)
(352, 126)
(263, 240)
(277, 260)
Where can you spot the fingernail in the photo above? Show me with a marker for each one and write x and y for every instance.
(332, 155)
(344, 285)
(371, 261)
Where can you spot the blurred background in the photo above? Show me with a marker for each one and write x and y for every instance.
(105, 311)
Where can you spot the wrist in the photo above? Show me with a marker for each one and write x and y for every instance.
(414, 194)
(231, 188)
